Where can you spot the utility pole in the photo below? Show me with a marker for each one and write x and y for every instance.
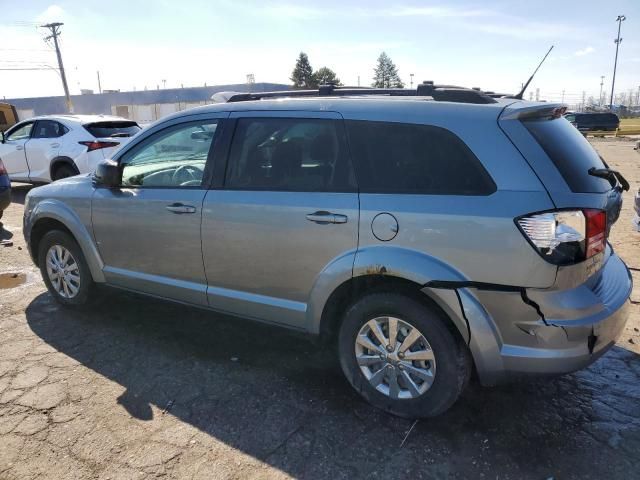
(99, 85)
(620, 19)
(411, 81)
(600, 100)
(55, 32)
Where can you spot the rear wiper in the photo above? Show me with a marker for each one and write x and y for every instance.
(612, 175)
(120, 135)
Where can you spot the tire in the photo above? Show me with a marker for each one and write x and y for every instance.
(85, 284)
(63, 171)
(451, 366)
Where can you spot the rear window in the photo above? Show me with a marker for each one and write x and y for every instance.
(414, 159)
(112, 129)
(571, 153)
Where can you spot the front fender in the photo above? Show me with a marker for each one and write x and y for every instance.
(57, 210)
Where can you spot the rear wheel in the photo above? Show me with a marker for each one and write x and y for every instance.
(63, 171)
(64, 269)
(401, 357)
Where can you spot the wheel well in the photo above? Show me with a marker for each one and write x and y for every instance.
(39, 230)
(59, 162)
(356, 287)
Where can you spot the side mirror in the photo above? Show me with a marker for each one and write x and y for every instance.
(107, 174)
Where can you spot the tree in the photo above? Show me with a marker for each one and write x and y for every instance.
(386, 73)
(325, 76)
(302, 75)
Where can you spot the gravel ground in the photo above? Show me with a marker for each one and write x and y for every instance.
(140, 388)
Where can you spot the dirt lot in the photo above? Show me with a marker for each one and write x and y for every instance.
(141, 388)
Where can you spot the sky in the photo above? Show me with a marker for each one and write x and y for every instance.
(493, 44)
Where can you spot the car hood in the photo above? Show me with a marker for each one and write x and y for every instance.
(80, 185)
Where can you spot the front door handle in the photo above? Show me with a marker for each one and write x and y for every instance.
(55, 145)
(323, 217)
(181, 208)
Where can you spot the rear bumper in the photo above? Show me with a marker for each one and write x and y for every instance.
(578, 327)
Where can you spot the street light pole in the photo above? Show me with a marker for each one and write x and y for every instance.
(411, 81)
(600, 100)
(620, 19)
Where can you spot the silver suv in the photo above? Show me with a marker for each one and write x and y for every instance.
(428, 234)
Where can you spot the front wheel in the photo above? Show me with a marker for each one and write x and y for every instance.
(64, 269)
(400, 356)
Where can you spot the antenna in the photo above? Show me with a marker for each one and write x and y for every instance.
(524, 87)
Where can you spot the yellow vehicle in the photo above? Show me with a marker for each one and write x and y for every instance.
(8, 116)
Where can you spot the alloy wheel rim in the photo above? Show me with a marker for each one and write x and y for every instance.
(63, 271)
(395, 357)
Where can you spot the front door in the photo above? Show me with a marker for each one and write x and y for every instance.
(43, 148)
(148, 230)
(12, 151)
(288, 207)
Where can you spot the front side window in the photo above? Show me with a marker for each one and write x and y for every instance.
(289, 154)
(175, 157)
(49, 129)
(414, 159)
(21, 133)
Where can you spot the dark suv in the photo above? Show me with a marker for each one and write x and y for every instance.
(592, 122)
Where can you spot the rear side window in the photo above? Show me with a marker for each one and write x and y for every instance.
(414, 159)
(48, 129)
(571, 153)
(289, 154)
(112, 129)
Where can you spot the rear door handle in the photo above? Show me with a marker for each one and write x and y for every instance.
(323, 217)
(55, 145)
(181, 208)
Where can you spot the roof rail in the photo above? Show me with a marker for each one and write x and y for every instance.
(440, 93)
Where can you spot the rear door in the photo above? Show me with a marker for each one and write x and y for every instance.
(12, 151)
(43, 148)
(287, 208)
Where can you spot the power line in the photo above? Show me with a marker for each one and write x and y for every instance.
(25, 69)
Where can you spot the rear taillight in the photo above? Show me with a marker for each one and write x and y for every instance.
(3, 170)
(596, 231)
(564, 237)
(97, 145)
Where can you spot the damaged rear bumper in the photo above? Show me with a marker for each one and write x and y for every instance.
(546, 331)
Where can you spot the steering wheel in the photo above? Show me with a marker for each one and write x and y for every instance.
(187, 174)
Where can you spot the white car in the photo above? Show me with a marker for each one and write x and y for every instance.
(51, 147)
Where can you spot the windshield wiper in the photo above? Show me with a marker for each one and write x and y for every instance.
(613, 176)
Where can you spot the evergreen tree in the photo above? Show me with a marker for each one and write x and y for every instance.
(325, 76)
(386, 73)
(302, 75)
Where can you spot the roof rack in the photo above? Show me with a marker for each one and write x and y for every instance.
(440, 93)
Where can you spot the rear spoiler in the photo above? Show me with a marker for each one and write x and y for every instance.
(538, 110)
